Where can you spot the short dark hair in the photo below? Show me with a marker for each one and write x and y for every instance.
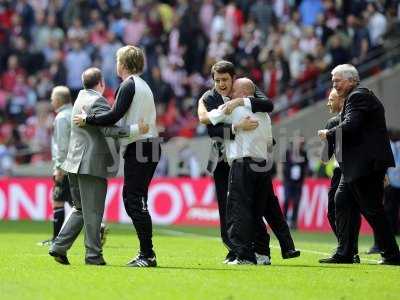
(223, 66)
(91, 77)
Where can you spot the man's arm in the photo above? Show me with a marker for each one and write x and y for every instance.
(122, 103)
(61, 138)
(355, 109)
(221, 131)
(100, 106)
(329, 144)
(260, 102)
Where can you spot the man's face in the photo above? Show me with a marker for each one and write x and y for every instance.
(342, 85)
(334, 103)
(54, 102)
(223, 83)
(119, 68)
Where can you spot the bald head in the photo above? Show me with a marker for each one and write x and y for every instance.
(243, 87)
(91, 78)
(60, 95)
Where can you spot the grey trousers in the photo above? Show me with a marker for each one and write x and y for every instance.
(88, 196)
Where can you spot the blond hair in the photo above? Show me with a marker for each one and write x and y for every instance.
(131, 58)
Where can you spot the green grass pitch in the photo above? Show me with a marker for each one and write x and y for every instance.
(190, 267)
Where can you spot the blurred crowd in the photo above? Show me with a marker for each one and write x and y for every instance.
(282, 45)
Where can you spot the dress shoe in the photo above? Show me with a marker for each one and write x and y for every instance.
(95, 260)
(60, 258)
(356, 259)
(290, 254)
(337, 259)
(390, 262)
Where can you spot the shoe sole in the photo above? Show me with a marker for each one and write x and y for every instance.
(292, 256)
(58, 259)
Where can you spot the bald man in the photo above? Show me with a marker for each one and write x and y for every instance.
(250, 157)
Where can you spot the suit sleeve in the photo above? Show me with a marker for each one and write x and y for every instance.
(101, 106)
(61, 136)
(122, 103)
(260, 102)
(355, 110)
(329, 145)
(221, 130)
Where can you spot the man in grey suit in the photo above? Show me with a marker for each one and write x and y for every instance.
(89, 162)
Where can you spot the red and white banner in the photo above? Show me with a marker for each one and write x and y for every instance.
(175, 201)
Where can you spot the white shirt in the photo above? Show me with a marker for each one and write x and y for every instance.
(255, 143)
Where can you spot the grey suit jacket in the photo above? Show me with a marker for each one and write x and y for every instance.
(89, 151)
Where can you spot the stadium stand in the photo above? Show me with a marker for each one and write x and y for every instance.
(286, 47)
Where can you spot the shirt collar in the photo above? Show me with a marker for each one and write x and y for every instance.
(65, 106)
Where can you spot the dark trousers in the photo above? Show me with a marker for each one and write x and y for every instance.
(275, 219)
(292, 195)
(391, 204)
(246, 205)
(367, 194)
(221, 179)
(353, 214)
(141, 159)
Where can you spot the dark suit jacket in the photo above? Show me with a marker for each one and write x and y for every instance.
(330, 144)
(365, 141)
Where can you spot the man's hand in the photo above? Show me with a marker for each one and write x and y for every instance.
(322, 134)
(229, 106)
(143, 127)
(246, 124)
(386, 181)
(58, 175)
(80, 119)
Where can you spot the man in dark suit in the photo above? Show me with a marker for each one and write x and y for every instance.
(223, 73)
(335, 105)
(364, 158)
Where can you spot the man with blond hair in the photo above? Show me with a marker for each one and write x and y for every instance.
(134, 106)
(89, 162)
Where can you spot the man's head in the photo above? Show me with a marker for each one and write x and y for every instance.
(344, 79)
(93, 79)
(335, 102)
(223, 73)
(130, 60)
(60, 95)
(242, 87)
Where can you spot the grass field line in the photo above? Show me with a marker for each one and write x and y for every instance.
(188, 234)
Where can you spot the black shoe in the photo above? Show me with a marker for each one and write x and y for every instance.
(356, 259)
(141, 261)
(103, 233)
(390, 261)
(291, 254)
(336, 259)
(231, 256)
(96, 260)
(374, 250)
(60, 258)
